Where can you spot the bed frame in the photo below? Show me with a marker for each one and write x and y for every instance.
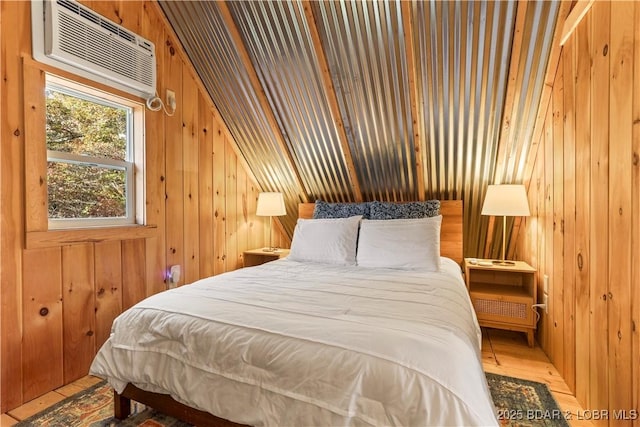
(450, 246)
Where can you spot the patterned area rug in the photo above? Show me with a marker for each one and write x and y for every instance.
(93, 407)
(524, 403)
(519, 403)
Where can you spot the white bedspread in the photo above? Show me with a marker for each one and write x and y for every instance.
(289, 343)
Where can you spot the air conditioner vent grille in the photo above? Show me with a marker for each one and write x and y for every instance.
(96, 19)
(146, 46)
(87, 15)
(77, 38)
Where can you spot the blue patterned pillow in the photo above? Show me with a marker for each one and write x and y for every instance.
(340, 210)
(387, 210)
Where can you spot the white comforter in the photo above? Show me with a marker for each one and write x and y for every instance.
(290, 343)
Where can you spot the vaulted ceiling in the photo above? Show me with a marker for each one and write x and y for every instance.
(383, 100)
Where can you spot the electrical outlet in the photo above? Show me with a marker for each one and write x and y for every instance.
(174, 276)
(545, 301)
(546, 283)
(171, 99)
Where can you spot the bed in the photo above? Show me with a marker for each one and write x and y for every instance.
(294, 342)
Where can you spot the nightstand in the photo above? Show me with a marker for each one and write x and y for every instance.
(503, 295)
(259, 256)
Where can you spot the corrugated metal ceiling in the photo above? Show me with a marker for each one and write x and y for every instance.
(374, 100)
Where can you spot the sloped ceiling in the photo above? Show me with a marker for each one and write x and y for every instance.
(384, 100)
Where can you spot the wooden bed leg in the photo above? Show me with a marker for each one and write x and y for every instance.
(121, 406)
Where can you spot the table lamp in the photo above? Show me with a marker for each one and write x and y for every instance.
(270, 204)
(505, 200)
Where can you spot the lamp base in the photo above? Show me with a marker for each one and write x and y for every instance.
(503, 262)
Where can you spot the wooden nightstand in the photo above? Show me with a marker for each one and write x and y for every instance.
(259, 256)
(503, 296)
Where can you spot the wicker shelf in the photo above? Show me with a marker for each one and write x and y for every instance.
(503, 296)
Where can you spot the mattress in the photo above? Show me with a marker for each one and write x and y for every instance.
(291, 343)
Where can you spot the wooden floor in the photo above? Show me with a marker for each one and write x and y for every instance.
(507, 353)
(44, 401)
(503, 352)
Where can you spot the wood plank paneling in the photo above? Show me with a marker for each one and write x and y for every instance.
(547, 248)
(79, 310)
(36, 152)
(583, 213)
(620, 158)
(133, 272)
(231, 208)
(635, 225)
(219, 202)
(12, 201)
(206, 131)
(185, 204)
(569, 215)
(153, 28)
(174, 188)
(600, 194)
(557, 195)
(242, 215)
(42, 317)
(256, 225)
(599, 232)
(190, 171)
(108, 288)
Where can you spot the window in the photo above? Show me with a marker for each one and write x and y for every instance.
(91, 154)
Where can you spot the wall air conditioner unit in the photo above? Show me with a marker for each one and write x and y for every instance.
(72, 37)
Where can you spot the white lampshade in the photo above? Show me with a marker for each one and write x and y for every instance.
(506, 200)
(270, 204)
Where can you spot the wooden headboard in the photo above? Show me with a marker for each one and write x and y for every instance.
(450, 232)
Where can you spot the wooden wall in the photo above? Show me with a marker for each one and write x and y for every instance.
(59, 292)
(584, 232)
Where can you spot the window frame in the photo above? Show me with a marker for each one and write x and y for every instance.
(133, 167)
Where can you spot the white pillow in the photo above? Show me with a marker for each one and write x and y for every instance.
(330, 240)
(400, 243)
